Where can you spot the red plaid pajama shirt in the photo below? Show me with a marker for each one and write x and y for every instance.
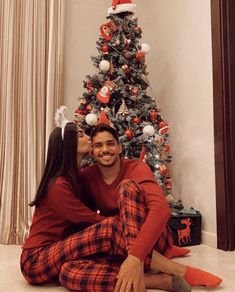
(79, 260)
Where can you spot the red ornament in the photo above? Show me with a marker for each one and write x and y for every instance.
(108, 29)
(138, 28)
(140, 56)
(105, 48)
(129, 133)
(163, 128)
(136, 120)
(153, 116)
(89, 107)
(163, 169)
(166, 148)
(168, 187)
(134, 90)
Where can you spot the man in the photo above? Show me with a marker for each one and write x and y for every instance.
(100, 184)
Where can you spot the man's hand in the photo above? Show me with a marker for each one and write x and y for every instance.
(131, 276)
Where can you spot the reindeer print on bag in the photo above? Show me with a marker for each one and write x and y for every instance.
(184, 234)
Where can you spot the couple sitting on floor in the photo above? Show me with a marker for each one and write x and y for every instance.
(127, 246)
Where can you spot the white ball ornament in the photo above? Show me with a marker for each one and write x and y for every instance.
(145, 48)
(148, 130)
(91, 119)
(104, 66)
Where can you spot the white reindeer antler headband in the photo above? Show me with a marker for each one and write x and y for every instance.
(61, 118)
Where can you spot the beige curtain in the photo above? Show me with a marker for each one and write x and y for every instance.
(31, 39)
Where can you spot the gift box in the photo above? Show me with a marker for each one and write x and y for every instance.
(186, 227)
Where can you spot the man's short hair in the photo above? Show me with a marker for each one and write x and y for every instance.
(104, 128)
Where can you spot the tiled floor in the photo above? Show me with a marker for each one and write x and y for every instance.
(213, 260)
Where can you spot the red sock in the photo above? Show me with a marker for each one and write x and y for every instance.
(197, 277)
(177, 251)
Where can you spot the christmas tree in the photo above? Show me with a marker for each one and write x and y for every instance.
(120, 92)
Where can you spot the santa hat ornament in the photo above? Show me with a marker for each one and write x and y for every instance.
(103, 119)
(119, 6)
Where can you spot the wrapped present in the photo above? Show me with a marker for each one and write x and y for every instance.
(186, 227)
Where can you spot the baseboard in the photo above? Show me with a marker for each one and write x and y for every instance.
(209, 239)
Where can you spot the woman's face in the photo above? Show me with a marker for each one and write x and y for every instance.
(84, 142)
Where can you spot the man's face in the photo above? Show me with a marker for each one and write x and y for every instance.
(105, 149)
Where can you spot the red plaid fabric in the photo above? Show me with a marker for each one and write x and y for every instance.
(77, 261)
(94, 275)
(42, 265)
(89, 276)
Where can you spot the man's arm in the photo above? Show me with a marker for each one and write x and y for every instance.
(157, 208)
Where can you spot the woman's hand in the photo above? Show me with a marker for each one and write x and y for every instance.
(131, 276)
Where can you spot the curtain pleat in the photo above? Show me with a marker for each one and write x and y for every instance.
(31, 51)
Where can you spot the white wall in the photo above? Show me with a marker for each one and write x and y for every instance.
(180, 67)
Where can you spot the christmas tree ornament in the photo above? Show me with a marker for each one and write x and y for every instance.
(107, 110)
(91, 119)
(157, 156)
(136, 120)
(157, 108)
(140, 56)
(90, 88)
(148, 130)
(108, 29)
(153, 116)
(119, 6)
(126, 69)
(138, 28)
(123, 110)
(117, 42)
(104, 66)
(103, 119)
(127, 43)
(157, 166)
(89, 107)
(169, 199)
(82, 101)
(163, 169)
(163, 128)
(105, 48)
(112, 69)
(158, 140)
(78, 117)
(145, 48)
(127, 55)
(129, 133)
(134, 90)
(166, 148)
(168, 184)
(105, 91)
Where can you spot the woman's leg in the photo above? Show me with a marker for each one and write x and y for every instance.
(42, 265)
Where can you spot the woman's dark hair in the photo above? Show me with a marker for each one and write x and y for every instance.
(104, 128)
(61, 161)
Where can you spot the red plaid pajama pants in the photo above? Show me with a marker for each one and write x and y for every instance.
(100, 274)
